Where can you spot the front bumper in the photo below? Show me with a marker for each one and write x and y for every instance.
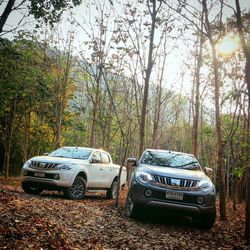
(48, 179)
(189, 204)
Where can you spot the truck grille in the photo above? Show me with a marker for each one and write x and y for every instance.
(42, 165)
(172, 182)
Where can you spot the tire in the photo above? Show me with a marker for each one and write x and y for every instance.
(113, 191)
(132, 210)
(204, 221)
(77, 190)
(31, 188)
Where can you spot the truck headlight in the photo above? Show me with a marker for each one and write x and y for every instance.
(64, 167)
(206, 186)
(27, 164)
(143, 177)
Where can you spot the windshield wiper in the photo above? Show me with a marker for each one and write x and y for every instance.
(156, 159)
(189, 163)
(61, 156)
(161, 163)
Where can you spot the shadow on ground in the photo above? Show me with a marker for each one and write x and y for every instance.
(60, 195)
(159, 216)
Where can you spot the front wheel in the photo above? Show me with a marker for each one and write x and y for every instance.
(113, 191)
(132, 210)
(31, 188)
(77, 190)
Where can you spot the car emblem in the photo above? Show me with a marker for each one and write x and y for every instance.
(175, 182)
(42, 165)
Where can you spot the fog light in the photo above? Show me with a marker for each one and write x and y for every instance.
(200, 200)
(25, 173)
(148, 193)
(56, 176)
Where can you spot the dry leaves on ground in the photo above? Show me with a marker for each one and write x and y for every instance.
(49, 221)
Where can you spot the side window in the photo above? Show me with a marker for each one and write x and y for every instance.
(96, 157)
(105, 158)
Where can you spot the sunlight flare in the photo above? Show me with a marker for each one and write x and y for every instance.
(228, 44)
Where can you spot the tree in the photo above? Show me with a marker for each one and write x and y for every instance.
(198, 58)
(20, 64)
(99, 39)
(212, 41)
(43, 10)
(153, 10)
(246, 51)
(60, 86)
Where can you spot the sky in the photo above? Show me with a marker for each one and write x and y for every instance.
(176, 60)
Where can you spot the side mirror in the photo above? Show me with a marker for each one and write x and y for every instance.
(132, 161)
(94, 160)
(45, 154)
(208, 171)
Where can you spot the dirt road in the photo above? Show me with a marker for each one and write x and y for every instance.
(49, 221)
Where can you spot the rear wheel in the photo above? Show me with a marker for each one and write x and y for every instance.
(113, 191)
(77, 190)
(204, 221)
(132, 210)
(31, 188)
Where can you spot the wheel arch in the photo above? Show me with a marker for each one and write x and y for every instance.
(114, 179)
(83, 175)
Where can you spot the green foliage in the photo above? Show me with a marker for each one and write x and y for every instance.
(238, 171)
(30, 85)
(50, 11)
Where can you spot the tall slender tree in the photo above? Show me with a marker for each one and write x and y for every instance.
(154, 9)
(246, 51)
(223, 213)
(197, 88)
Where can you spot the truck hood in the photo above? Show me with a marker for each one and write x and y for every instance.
(173, 172)
(50, 159)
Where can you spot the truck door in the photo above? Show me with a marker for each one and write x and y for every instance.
(109, 170)
(96, 171)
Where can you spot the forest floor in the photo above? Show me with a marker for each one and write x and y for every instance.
(49, 221)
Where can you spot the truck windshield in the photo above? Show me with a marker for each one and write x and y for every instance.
(75, 153)
(170, 159)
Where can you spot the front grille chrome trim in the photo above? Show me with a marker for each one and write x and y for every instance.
(43, 165)
(171, 183)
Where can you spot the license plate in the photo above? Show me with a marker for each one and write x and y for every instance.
(174, 195)
(39, 174)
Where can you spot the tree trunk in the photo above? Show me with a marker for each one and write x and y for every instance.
(25, 143)
(247, 229)
(95, 107)
(5, 14)
(8, 141)
(147, 77)
(223, 214)
(58, 126)
(197, 94)
(247, 73)
(63, 88)
(157, 116)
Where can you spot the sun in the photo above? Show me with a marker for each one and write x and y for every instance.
(228, 44)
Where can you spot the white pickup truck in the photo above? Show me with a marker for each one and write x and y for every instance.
(73, 170)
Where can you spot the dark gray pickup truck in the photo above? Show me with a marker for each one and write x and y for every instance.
(174, 181)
